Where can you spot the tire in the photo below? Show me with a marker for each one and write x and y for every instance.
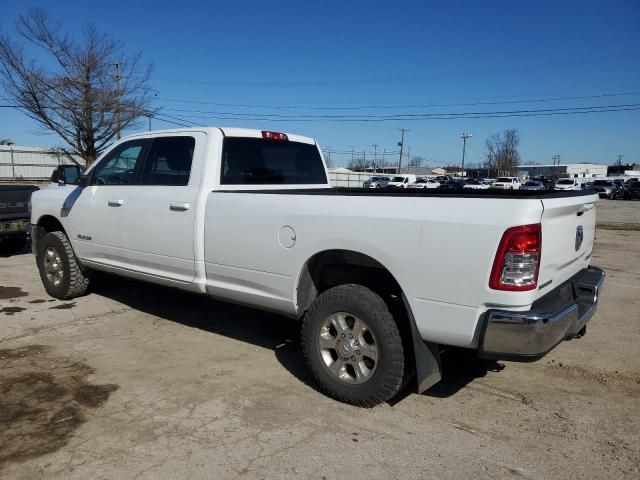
(60, 272)
(360, 380)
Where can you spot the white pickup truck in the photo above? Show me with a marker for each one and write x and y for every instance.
(249, 216)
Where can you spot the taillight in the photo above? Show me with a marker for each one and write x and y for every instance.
(274, 135)
(517, 261)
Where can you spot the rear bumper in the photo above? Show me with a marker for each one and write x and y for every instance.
(559, 315)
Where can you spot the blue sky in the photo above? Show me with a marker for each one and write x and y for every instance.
(374, 58)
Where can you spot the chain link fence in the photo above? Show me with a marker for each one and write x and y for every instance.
(32, 163)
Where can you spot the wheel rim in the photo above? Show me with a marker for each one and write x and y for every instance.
(53, 266)
(348, 348)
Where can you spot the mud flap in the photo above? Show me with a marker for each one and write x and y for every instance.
(427, 355)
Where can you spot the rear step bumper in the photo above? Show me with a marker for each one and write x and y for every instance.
(561, 314)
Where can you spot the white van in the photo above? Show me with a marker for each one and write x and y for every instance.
(402, 181)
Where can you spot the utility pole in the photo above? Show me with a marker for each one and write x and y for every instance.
(464, 137)
(556, 159)
(375, 157)
(401, 145)
(118, 93)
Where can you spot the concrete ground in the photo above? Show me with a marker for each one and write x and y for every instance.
(140, 381)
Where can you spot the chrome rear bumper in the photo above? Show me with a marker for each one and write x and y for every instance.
(561, 314)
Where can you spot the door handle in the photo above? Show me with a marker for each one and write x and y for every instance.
(179, 206)
(585, 208)
(115, 203)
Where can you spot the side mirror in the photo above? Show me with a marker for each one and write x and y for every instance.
(68, 175)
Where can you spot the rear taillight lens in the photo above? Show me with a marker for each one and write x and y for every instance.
(274, 135)
(517, 261)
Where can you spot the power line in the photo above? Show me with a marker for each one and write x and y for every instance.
(413, 116)
(388, 107)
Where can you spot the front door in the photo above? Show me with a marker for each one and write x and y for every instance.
(160, 218)
(99, 210)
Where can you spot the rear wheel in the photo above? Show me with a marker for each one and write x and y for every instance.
(353, 347)
(60, 272)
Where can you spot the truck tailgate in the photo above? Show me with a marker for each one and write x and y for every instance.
(568, 229)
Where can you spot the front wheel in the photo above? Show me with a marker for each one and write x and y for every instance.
(60, 272)
(353, 347)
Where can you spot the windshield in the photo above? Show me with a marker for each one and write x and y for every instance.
(397, 179)
(504, 179)
(565, 181)
(603, 183)
(532, 184)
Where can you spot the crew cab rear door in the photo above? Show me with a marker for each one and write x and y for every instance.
(568, 229)
(159, 225)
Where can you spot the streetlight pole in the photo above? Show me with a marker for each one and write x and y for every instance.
(464, 137)
(401, 145)
(375, 157)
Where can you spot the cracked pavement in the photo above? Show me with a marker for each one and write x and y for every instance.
(194, 388)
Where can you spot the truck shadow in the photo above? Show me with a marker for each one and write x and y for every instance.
(263, 329)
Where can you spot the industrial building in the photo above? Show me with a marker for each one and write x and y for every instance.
(570, 170)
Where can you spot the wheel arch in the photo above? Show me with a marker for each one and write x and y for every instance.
(46, 223)
(333, 267)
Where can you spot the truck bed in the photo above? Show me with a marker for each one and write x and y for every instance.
(418, 192)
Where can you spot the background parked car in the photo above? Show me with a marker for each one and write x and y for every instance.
(533, 185)
(14, 215)
(567, 184)
(443, 178)
(423, 182)
(630, 191)
(475, 184)
(605, 188)
(376, 182)
(507, 183)
(452, 185)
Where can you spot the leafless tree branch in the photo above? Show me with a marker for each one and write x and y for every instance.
(79, 97)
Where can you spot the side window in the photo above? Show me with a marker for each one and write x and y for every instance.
(118, 167)
(169, 161)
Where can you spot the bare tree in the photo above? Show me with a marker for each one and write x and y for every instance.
(91, 92)
(503, 157)
(416, 161)
(359, 163)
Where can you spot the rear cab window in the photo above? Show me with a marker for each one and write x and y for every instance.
(260, 161)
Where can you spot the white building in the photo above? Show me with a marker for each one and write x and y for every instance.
(571, 170)
(30, 163)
